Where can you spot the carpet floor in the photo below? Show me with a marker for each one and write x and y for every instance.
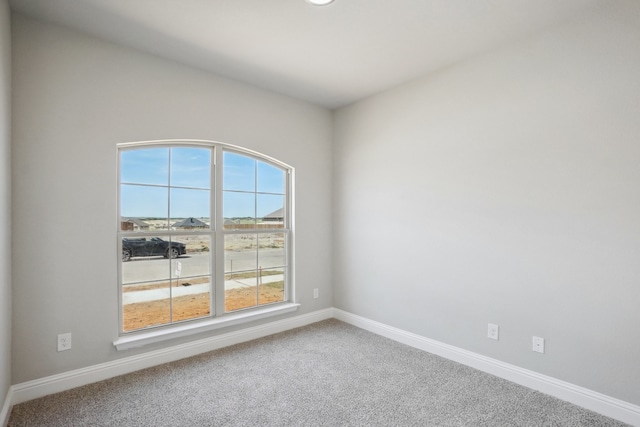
(326, 374)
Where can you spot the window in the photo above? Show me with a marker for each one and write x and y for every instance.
(203, 231)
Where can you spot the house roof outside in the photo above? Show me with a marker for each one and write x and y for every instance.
(275, 215)
(137, 221)
(190, 223)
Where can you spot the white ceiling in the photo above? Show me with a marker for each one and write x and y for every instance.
(331, 55)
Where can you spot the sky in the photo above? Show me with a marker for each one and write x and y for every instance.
(158, 181)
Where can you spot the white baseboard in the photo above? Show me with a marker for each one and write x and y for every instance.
(594, 401)
(56, 383)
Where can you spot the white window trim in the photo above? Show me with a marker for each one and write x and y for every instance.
(155, 334)
(185, 329)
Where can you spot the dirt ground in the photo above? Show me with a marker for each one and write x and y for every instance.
(150, 313)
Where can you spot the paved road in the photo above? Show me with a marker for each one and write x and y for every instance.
(197, 264)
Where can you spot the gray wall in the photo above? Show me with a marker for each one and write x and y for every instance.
(75, 98)
(505, 189)
(5, 202)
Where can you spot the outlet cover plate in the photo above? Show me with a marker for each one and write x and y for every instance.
(538, 344)
(493, 331)
(64, 342)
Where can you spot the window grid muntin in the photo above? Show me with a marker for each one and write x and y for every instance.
(168, 232)
(216, 226)
(285, 224)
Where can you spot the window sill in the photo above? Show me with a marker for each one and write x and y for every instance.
(149, 337)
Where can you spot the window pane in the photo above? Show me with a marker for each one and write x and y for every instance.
(146, 305)
(271, 250)
(271, 208)
(271, 179)
(190, 209)
(143, 270)
(271, 286)
(191, 167)
(239, 210)
(145, 166)
(191, 298)
(196, 261)
(144, 259)
(138, 201)
(237, 297)
(240, 253)
(239, 172)
(191, 274)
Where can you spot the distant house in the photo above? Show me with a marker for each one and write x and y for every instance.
(275, 216)
(133, 224)
(189, 223)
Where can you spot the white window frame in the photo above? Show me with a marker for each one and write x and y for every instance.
(217, 318)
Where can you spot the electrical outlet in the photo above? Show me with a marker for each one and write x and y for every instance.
(493, 331)
(538, 344)
(64, 342)
(316, 293)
